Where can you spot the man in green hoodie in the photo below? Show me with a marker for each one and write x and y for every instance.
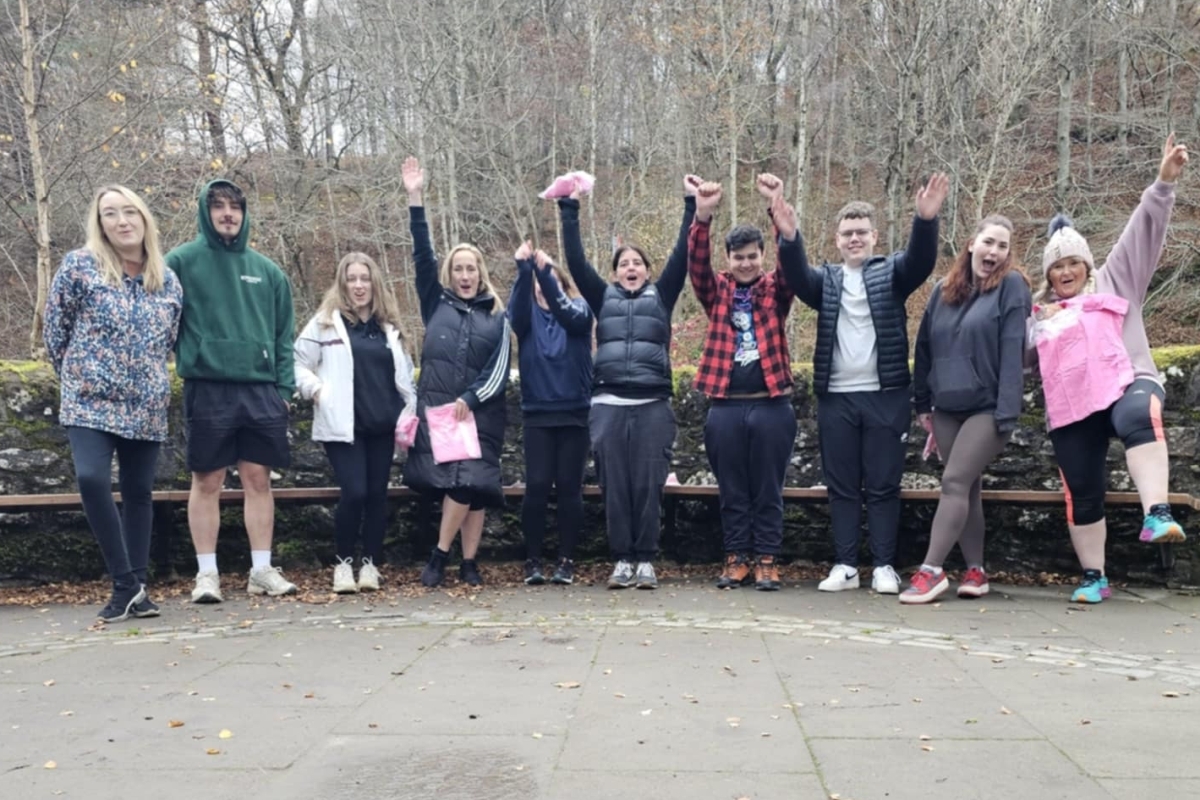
(234, 354)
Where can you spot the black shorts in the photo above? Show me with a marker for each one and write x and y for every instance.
(230, 422)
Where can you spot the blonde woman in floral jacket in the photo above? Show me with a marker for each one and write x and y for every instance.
(111, 319)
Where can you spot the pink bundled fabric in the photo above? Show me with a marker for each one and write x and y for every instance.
(563, 185)
(1082, 357)
(406, 431)
(931, 448)
(451, 439)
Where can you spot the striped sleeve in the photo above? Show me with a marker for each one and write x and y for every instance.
(493, 379)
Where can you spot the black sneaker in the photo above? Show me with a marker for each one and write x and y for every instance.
(435, 571)
(121, 604)
(468, 572)
(146, 607)
(564, 573)
(533, 572)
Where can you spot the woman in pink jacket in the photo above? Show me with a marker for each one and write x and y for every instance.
(1100, 311)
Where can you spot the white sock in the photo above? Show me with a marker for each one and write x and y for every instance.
(931, 568)
(259, 559)
(206, 562)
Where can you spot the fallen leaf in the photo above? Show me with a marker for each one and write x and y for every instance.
(1085, 722)
(50, 765)
(1170, 694)
(608, 672)
(66, 713)
(212, 751)
(568, 684)
(48, 683)
(646, 713)
(619, 694)
(174, 723)
(927, 748)
(225, 734)
(925, 737)
(765, 735)
(372, 725)
(1004, 710)
(537, 735)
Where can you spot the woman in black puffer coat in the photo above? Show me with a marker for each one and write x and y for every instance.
(464, 361)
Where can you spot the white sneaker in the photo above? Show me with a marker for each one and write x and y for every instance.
(208, 588)
(884, 580)
(343, 577)
(645, 578)
(269, 581)
(841, 577)
(368, 577)
(622, 576)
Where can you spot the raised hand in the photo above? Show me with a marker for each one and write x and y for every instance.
(524, 252)
(414, 179)
(708, 197)
(768, 186)
(542, 260)
(691, 183)
(931, 196)
(784, 217)
(1175, 156)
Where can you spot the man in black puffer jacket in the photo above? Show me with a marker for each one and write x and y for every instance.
(861, 378)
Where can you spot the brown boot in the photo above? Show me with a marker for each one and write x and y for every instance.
(766, 574)
(736, 572)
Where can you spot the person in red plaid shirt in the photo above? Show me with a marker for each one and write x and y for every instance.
(746, 370)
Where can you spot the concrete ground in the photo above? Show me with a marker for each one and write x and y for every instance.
(580, 693)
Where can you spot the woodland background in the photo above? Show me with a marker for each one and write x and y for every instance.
(1030, 105)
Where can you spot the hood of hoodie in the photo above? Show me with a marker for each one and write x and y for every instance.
(209, 233)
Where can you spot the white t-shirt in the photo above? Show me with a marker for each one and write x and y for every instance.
(855, 359)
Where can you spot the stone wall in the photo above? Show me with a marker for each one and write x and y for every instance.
(34, 458)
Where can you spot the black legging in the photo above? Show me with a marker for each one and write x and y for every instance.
(361, 470)
(554, 458)
(1081, 448)
(124, 539)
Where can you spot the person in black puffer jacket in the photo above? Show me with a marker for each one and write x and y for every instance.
(464, 361)
(632, 424)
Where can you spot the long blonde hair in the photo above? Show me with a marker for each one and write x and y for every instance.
(109, 260)
(485, 281)
(337, 300)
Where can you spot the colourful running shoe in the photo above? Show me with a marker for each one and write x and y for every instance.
(925, 586)
(1092, 589)
(1160, 526)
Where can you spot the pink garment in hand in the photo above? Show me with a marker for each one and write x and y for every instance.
(1082, 357)
(451, 439)
(563, 185)
(406, 431)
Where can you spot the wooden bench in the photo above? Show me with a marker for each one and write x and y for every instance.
(166, 501)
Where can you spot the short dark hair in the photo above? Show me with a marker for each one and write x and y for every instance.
(857, 210)
(620, 251)
(226, 191)
(741, 236)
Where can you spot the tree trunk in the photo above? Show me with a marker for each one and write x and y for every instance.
(30, 101)
(208, 92)
(1062, 181)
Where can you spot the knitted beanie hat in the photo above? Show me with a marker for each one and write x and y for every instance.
(1065, 242)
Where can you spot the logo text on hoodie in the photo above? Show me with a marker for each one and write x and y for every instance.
(251, 279)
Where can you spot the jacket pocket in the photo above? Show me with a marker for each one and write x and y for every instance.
(235, 359)
(956, 385)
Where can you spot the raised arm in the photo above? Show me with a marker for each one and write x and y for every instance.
(704, 282)
(590, 284)
(1135, 256)
(429, 289)
(63, 303)
(1015, 306)
(575, 318)
(520, 299)
(915, 263)
(803, 280)
(674, 274)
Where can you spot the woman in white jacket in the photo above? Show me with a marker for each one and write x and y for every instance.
(350, 362)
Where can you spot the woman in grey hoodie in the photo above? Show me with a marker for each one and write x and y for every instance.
(967, 389)
(1081, 446)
